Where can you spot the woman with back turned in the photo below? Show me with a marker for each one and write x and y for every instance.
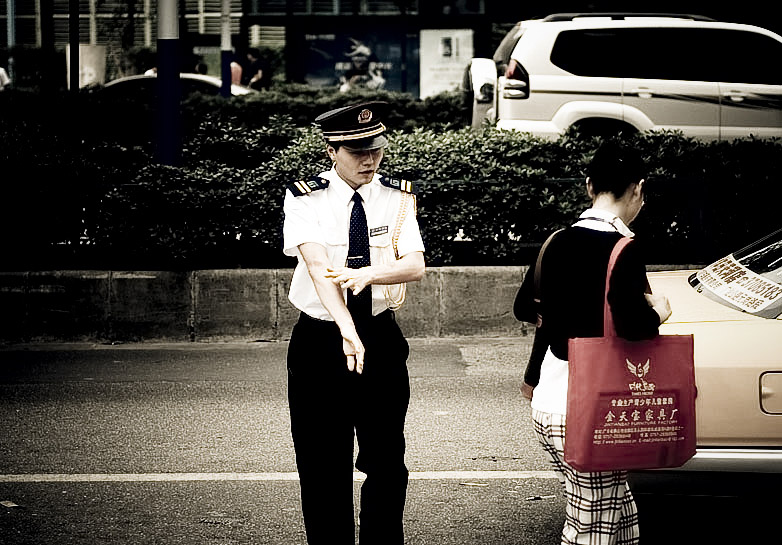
(600, 507)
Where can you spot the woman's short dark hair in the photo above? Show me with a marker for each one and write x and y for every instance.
(615, 166)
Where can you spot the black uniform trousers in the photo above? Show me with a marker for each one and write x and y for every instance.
(328, 404)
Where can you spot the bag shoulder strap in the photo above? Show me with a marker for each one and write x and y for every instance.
(608, 319)
(539, 261)
(537, 295)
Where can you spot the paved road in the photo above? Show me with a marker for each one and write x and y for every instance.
(189, 443)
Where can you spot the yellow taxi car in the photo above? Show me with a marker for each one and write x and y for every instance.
(733, 308)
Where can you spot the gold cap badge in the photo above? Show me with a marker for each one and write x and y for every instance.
(365, 116)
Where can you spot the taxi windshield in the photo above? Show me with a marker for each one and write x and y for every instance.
(749, 280)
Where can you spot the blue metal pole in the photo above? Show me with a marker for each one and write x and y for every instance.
(226, 51)
(74, 79)
(11, 28)
(168, 84)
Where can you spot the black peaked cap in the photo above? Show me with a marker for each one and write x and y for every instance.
(358, 127)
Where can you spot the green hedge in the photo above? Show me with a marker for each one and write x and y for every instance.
(303, 103)
(84, 200)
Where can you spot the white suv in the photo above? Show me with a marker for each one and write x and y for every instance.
(605, 73)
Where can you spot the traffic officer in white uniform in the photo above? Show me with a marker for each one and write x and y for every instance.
(357, 241)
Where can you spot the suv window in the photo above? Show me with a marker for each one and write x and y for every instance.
(747, 57)
(669, 53)
(590, 53)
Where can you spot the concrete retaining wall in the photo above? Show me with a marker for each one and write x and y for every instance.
(232, 304)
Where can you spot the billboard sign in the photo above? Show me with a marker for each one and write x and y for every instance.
(371, 60)
(444, 56)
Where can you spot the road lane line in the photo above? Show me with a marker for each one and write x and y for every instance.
(290, 476)
(438, 475)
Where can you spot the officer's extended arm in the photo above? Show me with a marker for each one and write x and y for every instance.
(408, 268)
(331, 297)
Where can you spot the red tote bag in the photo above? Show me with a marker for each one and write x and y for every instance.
(630, 404)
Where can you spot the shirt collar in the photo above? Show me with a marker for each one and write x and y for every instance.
(344, 191)
(601, 220)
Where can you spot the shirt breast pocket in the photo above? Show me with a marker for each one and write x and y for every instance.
(381, 251)
(380, 248)
(333, 237)
(336, 246)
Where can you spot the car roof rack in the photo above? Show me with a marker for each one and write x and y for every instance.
(622, 15)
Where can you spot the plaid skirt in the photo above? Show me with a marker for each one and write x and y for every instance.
(600, 507)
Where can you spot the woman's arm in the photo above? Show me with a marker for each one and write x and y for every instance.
(525, 309)
(634, 317)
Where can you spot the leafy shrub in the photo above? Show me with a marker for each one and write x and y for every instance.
(487, 197)
(303, 103)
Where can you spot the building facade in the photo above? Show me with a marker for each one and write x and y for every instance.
(42, 23)
(324, 41)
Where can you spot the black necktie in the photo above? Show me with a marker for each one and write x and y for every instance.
(358, 256)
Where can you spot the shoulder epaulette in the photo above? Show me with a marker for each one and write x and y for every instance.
(397, 183)
(305, 187)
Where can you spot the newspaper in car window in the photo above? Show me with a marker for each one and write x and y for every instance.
(736, 284)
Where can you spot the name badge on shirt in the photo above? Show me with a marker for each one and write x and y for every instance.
(378, 231)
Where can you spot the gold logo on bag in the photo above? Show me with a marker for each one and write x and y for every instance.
(640, 370)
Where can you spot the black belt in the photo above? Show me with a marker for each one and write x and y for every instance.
(386, 315)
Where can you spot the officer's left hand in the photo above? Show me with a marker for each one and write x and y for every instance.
(354, 350)
(352, 279)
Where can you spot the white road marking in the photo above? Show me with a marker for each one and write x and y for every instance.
(291, 476)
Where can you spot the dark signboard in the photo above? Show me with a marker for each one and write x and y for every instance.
(371, 59)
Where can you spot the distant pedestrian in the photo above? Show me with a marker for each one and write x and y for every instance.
(356, 238)
(600, 508)
(257, 74)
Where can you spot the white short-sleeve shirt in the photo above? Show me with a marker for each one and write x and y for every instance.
(323, 217)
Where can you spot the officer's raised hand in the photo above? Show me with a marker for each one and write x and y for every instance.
(352, 279)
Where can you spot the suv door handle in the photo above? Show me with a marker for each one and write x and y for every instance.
(736, 96)
(642, 92)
